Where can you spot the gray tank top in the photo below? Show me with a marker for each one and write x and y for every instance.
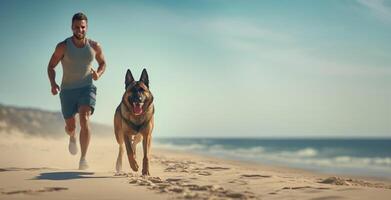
(76, 65)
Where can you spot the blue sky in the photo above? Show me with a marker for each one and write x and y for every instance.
(219, 68)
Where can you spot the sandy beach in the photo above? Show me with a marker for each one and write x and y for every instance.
(37, 168)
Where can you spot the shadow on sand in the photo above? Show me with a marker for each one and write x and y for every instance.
(57, 176)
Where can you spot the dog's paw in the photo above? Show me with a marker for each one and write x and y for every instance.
(145, 172)
(121, 173)
(133, 163)
(118, 167)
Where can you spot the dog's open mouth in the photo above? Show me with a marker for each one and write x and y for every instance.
(138, 108)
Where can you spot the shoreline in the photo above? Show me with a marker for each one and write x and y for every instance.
(274, 166)
(341, 157)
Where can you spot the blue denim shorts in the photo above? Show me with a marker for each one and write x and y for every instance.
(72, 99)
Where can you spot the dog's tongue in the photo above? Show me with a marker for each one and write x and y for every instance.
(137, 108)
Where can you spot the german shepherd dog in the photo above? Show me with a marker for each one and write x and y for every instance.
(133, 121)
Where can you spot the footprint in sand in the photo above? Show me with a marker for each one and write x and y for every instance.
(352, 182)
(181, 187)
(217, 168)
(176, 167)
(304, 187)
(24, 169)
(239, 181)
(204, 173)
(174, 179)
(307, 188)
(335, 181)
(185, 168)
(254, 176)
(46, 189)
(328, 198)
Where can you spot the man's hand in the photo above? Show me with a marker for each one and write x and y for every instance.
(55, 89)
(95, 74)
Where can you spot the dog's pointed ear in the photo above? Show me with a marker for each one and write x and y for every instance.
(144, 77)
(128, 79)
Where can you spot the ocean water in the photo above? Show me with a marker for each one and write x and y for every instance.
(362, 157)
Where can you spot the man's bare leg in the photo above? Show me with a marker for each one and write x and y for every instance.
(85, 134)
(70, 127)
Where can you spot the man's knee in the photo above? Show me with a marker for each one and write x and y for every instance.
(70, 124)
(84, 115)
(84, 118)
(70, 128)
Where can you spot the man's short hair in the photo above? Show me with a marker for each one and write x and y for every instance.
(79, 16)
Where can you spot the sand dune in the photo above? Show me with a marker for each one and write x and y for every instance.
(35, 122)
(36, 168)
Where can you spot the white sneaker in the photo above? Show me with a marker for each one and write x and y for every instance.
(83, 165)
(72, 147)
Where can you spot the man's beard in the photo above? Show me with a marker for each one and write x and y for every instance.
(79, 38)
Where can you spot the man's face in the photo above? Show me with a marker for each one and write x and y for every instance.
(79, 28)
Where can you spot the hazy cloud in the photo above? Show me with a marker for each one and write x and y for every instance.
(379, 8)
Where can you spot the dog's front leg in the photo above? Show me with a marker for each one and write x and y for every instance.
(146, 149)
(118, 165)
(131, 154)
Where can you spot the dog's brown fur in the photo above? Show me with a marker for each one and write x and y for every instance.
(131, 126)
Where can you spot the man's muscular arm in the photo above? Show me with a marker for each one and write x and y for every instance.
(100, 59)
(54, 60)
